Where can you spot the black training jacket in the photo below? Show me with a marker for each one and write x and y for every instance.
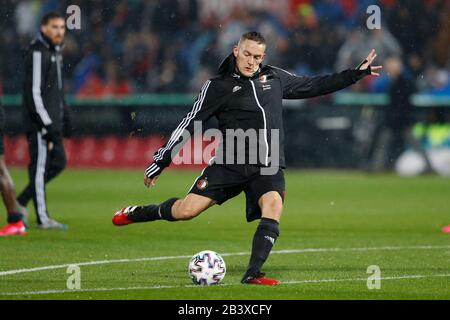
(43, 89)
(245, 103)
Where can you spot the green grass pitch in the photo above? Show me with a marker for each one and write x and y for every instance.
(349, 221)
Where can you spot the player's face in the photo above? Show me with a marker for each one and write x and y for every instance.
(55, 30)
(249, 54)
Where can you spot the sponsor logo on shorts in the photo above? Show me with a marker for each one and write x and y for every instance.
(202, 184)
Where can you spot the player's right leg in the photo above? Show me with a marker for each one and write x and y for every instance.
(215, 185)
(15, 224)
(171, 210)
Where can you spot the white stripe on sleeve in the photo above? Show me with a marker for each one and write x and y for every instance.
(179, 130)
(36, 89)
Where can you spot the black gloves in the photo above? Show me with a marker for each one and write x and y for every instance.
(153, 170)
(367, 71)
(48, 134)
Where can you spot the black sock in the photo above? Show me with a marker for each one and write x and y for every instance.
(265, 236)
(153, 212)
(14, 217)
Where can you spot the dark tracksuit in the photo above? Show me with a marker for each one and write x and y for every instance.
(240, 102)
(45, 116)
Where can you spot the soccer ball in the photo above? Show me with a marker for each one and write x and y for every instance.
(207, 268)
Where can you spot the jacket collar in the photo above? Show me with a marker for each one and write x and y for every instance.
(228, 67)
(43, 39)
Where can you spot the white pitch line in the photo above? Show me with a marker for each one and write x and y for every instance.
(45, 292)
(417, 276)
(293, 251)
(89, 263)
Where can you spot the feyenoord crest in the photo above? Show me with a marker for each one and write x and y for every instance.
(263, 78)
(202, 184)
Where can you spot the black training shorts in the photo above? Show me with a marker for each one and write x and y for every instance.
(222, 182)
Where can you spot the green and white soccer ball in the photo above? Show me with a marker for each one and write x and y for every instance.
(207, 268)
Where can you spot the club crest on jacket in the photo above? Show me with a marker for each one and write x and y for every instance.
(263, 78)
(202, 184)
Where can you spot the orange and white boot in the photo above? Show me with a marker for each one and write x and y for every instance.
(12, 229)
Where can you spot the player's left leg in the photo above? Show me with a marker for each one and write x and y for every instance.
(265, 196)
(266, 234)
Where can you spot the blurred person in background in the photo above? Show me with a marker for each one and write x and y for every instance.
(358, 41)
(46, 117)
(16, 214)
(396, 133)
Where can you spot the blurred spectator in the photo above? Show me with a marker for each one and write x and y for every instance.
(442, 41)
(413, 23)
(86, 68)
(396, 134)
(114, 84)
(438, 81)
(27, 17)
(358, 43)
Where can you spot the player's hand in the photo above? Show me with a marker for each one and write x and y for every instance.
(150, 182)
(151, 174)
(367, 64)
(48, 135)
(50, 145)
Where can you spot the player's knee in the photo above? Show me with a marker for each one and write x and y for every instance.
(271, 204)
(5, 183)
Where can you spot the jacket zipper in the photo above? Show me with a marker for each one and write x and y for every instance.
(265, 123)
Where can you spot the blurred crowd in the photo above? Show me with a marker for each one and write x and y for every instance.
(136, 46)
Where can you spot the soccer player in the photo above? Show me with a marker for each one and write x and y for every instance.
(446, 229)
(245, 95)
(45, 115)
(16, 224)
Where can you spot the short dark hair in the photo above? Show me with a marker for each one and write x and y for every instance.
(253, 35)
(50, 16)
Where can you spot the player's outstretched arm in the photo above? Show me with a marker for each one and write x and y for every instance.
(208, 102)
(300, 87)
